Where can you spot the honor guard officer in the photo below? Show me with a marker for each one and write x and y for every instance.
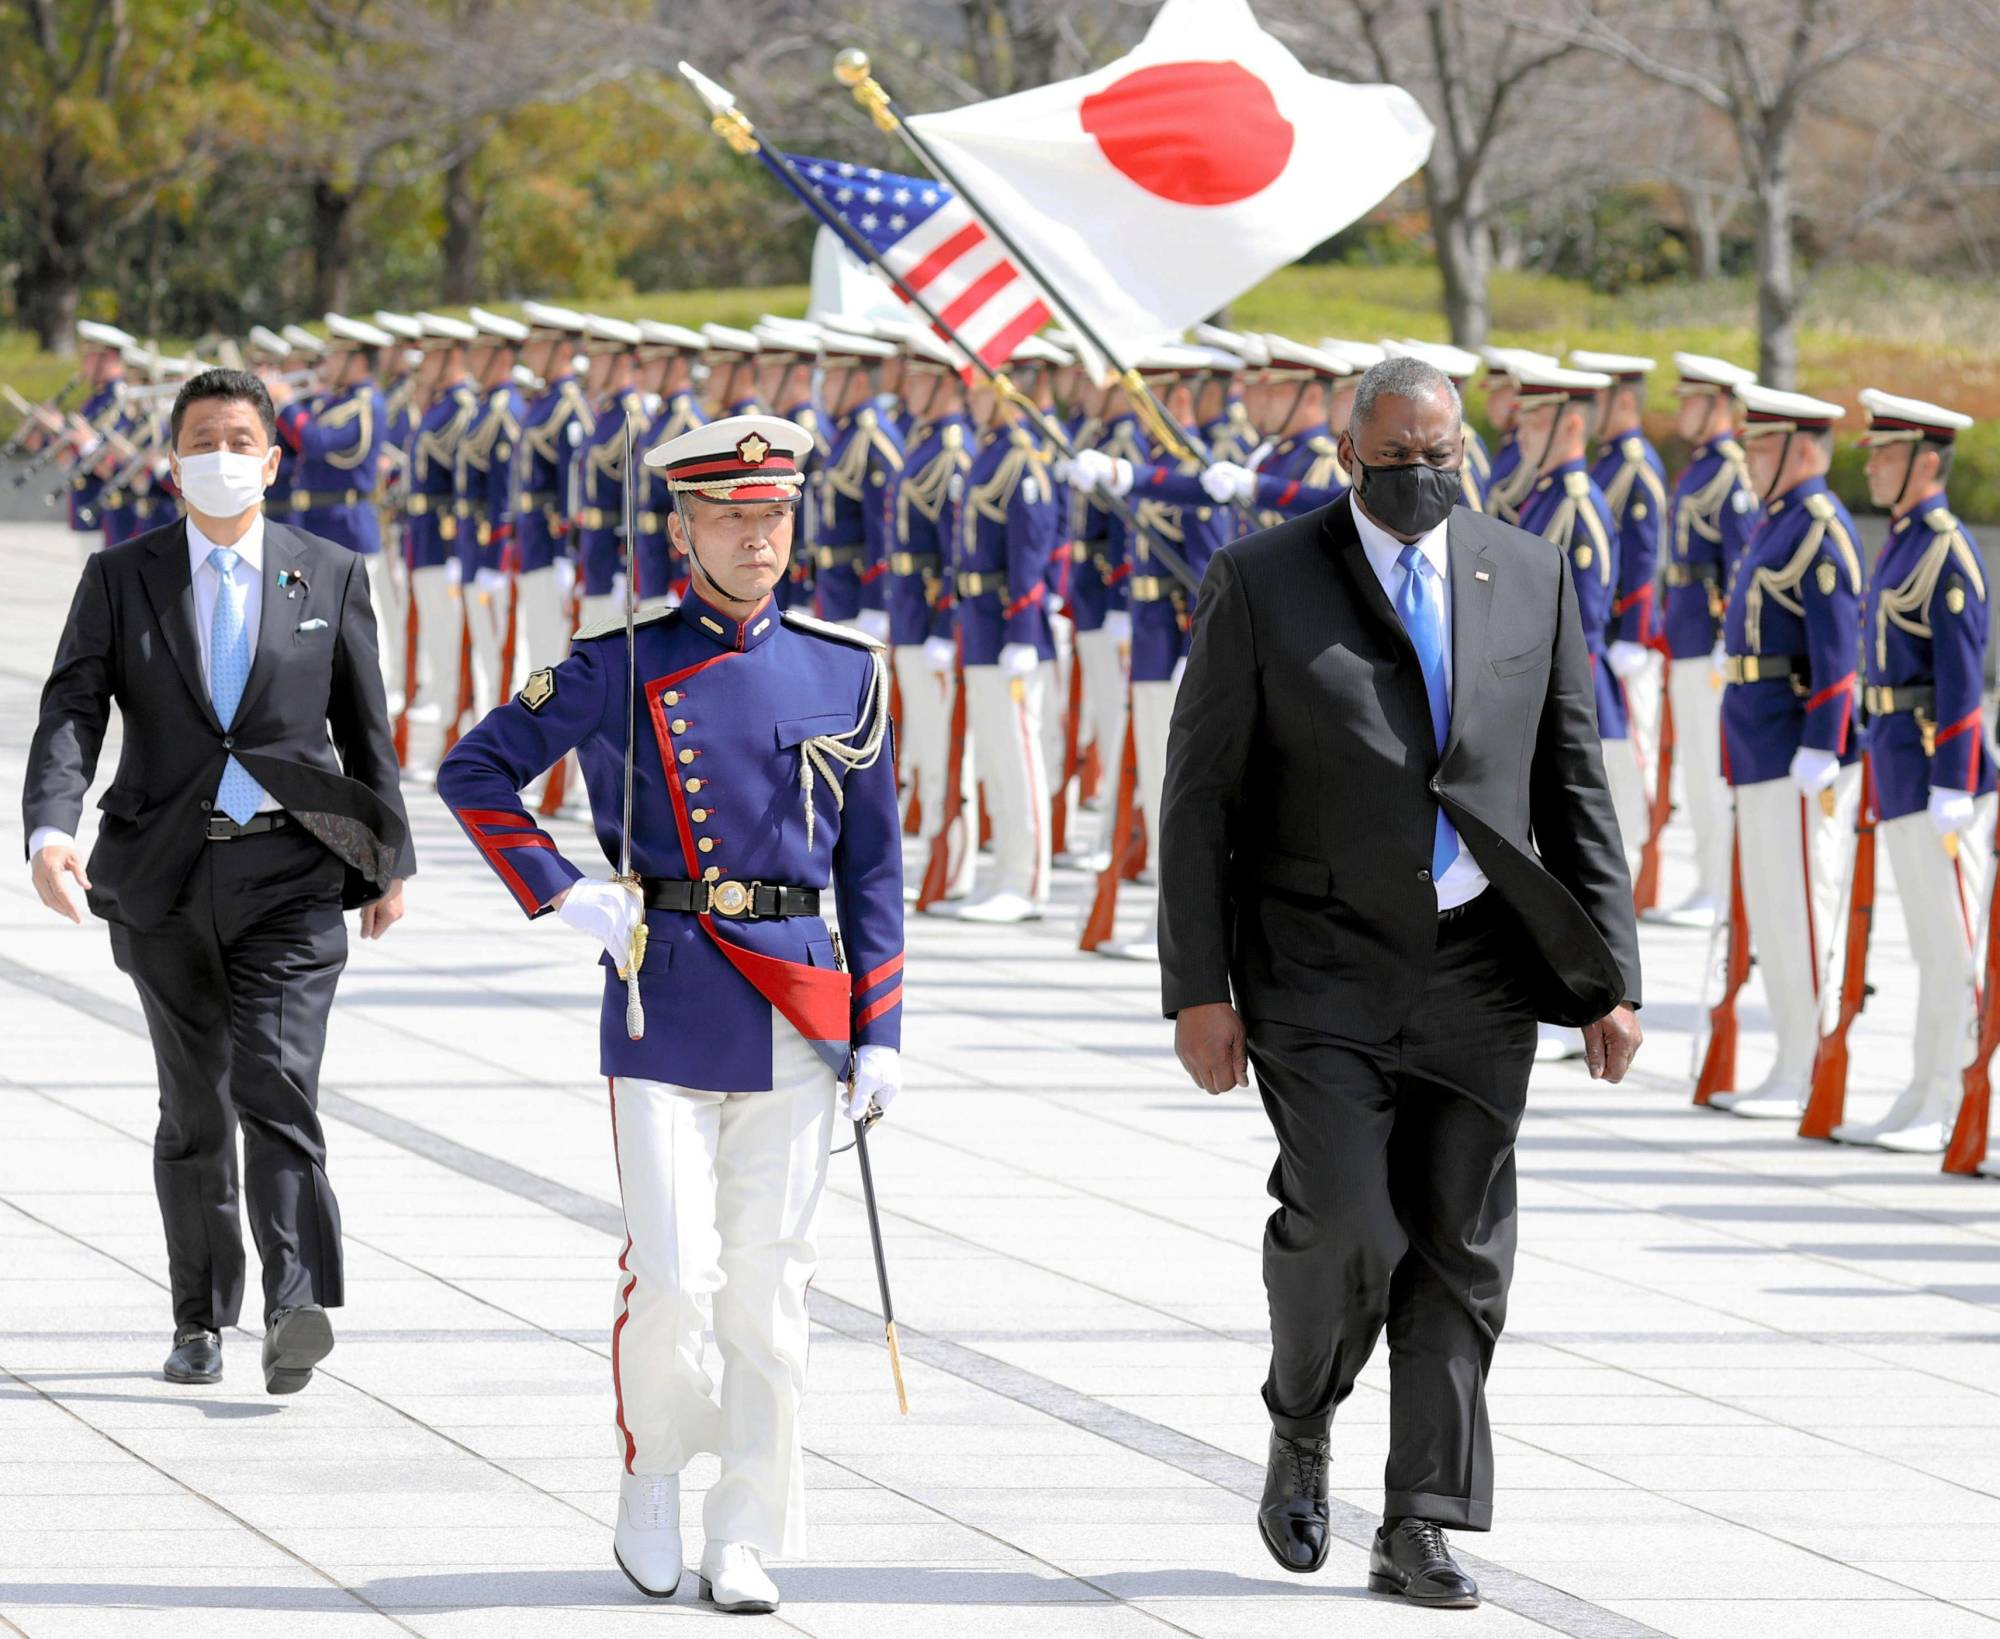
(1007, 528)
(1710, 516)
(1923, 656)
(1301, 470)
(851, 548)
(661, 575)
(1513, 474)
(485, 506)
(445, 404)
(763, 776)
(553, 426)
(921, 648)
(600, 535)
(1477, 472)
(1792, 631)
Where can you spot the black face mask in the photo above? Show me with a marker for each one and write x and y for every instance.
(1410, 500)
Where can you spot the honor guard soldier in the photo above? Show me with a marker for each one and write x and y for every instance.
(1924, 632)
(1513, 470)
(788, 358)
(1007, 528)
(1099, 568)
(1300, 471)
(1032, 369)
(600, 535)
(762, 776)
(851, 548)
(271, 355)
(661, 574)
(1476, 475)
(553, 426)
(401, 409)
(485, 505)
(116, 517)
(921, 645)
(1710, 516)
(445, 405)
(1792, 631)
(103, 368)
(306, 386)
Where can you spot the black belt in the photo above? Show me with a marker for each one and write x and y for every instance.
(1475, 913)
(1689, 574)
(1766, 668)
(739, 901)
(221, 828)
(834, 557)
(1881, 701)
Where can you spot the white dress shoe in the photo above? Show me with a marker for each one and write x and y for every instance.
(733, 1579)
(1689, 913)
(647, 1543)
(1555, 1042)
(1769, 1103)
(1000, 908)
(1922, 1138)
(1131, 950)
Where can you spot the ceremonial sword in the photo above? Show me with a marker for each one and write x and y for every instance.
(635, 1009)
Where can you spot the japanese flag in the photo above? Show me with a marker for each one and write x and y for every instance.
(1154, 191)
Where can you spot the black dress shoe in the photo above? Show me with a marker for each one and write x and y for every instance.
(197, 1356)
(1292, 1517)
(295, 1341)
(1411, 1558)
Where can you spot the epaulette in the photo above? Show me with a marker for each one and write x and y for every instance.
(1020, 437)
(953, 437)
(849, 635)
(865, 417)
(614, 625)
(1731, 450)
(1820, 505)
(1632, 447)
(1323, 444)
(1576, 485)
(1942, 522)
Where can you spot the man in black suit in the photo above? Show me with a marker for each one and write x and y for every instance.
(1386, 832)
(256, 799)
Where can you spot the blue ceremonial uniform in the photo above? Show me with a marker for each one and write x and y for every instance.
(485, 482)
(430, 477)
(1007, 528)
(600, 536)
(796, 590)
(1101, 547)
(1794, 598)
(1163, 608)
(658, 567)
(1923, 654)
(1566, 507)
(1508, 481)
(115, 506)
(1476, 476)
(925, 519)
(719, 798)
(551, 429)
(338, 445)
(851, 548)
(1713, 511)
(1085, 595)
(1634, 481)
(85, 487)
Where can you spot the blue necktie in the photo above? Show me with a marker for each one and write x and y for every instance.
(1423, 621)
(238, 795)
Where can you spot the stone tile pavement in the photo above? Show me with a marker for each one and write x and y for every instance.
(1748, 1386)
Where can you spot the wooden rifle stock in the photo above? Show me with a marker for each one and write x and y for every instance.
(1828, 1099)
(1072, 763)
(1102, 920)
(1968, 1137)
(1646, 890)
(1718, 1065)
(937, 873)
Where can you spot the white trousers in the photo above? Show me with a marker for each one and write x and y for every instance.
(392, 613)
(1627, 780)
(486, 616)
(437, 617)
(1698, 751)
(1642, 713)
(721, 1194)
(544, 618)
(1004, 715)
(924, 735)
(1104, 663)
(1795, 860)
(1055, 704)
(1944, 908)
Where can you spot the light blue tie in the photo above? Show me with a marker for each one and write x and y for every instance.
(1422, 620)
(238, 795)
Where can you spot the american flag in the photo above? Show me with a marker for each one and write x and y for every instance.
(925, 235)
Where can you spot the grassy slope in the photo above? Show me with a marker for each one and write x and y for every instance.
(1863, 328)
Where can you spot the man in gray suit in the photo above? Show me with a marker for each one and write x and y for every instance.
(1387, 849)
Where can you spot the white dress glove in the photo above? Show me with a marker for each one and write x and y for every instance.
(454, 570)
(1062, 469)
(490, 581)
(874, 623)
(1626, 658)
(607, 911)
(1227, 482)
(1950, 811)
(878, 1077)
(1118, 625)
(940, 654)
(1814, 770)
(565, 569)
(1093, 469)
(1019, 659)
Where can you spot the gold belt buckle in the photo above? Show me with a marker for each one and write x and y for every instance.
(729, 898)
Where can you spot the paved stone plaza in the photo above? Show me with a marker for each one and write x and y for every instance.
(1748, 1391)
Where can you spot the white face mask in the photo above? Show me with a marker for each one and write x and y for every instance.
(222, 483)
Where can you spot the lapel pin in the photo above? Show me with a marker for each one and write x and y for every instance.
(293, 582)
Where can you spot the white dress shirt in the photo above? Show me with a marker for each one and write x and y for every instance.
(1463, 880)
(249, 574)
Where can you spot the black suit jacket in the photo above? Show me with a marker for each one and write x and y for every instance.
(312, 727)
(1302, 782)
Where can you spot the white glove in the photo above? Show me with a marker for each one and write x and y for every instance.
(607, 911)
(454, 570)
(1227, 482)
(1814, 770)
(1179, 671)
(565, 569)
(1718, 657)
(874, 623)
(1950, 811)
(1093, 469)
(940, 654)
(1118, 625)
(1062, 469)
(1626, 658)
(490, 581)
(1019, 659)
(878, 1077)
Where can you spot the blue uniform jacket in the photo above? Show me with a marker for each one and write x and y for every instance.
(551, 429)
(101, 411)
(925, 518)
(600, 535)
(1713, 511)
(1162, 608)
(484, 482)
(336, 443)
(1634, 481)
(855, 484)
(1566, 507)
(430, 477)
(1007, 528)
(660, 571)
(727, 726)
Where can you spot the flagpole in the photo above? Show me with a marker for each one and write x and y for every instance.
(853, 70)
(734, 127)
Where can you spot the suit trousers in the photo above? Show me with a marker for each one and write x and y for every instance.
(721, 1194)
(237, 984)
(1396, 1208)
